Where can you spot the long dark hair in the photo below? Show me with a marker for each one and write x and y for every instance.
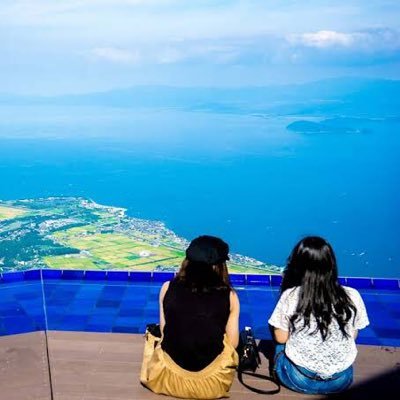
(204, 267)
(312, 267)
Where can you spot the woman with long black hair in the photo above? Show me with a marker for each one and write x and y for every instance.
(199, 320)
(315, 322)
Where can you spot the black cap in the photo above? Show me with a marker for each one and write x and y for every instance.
(208, 250)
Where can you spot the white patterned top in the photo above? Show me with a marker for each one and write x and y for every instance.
(328, 357)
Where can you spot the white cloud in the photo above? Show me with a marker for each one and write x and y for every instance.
(367, 47)
(160, 36)
(323, 39)
(327, 47)
(116, 55)
(370, 40)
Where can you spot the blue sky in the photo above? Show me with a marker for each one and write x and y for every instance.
(75, 46)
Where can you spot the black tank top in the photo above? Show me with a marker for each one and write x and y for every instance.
(195, 324)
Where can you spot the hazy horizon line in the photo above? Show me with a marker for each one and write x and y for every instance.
(202, 87)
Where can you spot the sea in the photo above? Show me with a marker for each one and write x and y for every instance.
(245, 178)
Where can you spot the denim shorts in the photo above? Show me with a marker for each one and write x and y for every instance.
(302, 380)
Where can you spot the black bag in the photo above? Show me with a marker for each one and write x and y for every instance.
(249, 360)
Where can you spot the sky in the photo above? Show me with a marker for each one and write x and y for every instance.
(75, 46)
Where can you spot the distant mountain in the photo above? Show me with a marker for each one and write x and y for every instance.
(334, 97)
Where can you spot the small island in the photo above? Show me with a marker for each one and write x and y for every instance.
(78, 233)
(338, 125)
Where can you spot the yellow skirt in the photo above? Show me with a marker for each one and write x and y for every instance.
(162, 375)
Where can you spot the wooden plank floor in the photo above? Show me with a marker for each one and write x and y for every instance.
(101, 366)
(24, 372)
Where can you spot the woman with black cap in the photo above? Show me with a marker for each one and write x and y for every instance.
(199, 317)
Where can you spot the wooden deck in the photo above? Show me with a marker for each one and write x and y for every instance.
(100, 366)
(23, 367)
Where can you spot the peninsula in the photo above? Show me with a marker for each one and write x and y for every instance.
(78, 233)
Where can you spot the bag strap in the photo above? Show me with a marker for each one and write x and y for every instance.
(264, 377)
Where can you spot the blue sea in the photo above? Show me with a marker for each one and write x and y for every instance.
(245, 178)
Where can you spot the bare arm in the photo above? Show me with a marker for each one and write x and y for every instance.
(281, 336)
(163, 290)
(232, 327)
(279, 322)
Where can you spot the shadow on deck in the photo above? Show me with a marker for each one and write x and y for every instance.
(100, 366)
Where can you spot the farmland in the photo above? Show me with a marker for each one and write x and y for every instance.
(77, 233)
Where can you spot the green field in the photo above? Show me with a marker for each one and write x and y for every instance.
(69, 262)
(118, 251)
(10, 212)
(114, 251)
(241, 269)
